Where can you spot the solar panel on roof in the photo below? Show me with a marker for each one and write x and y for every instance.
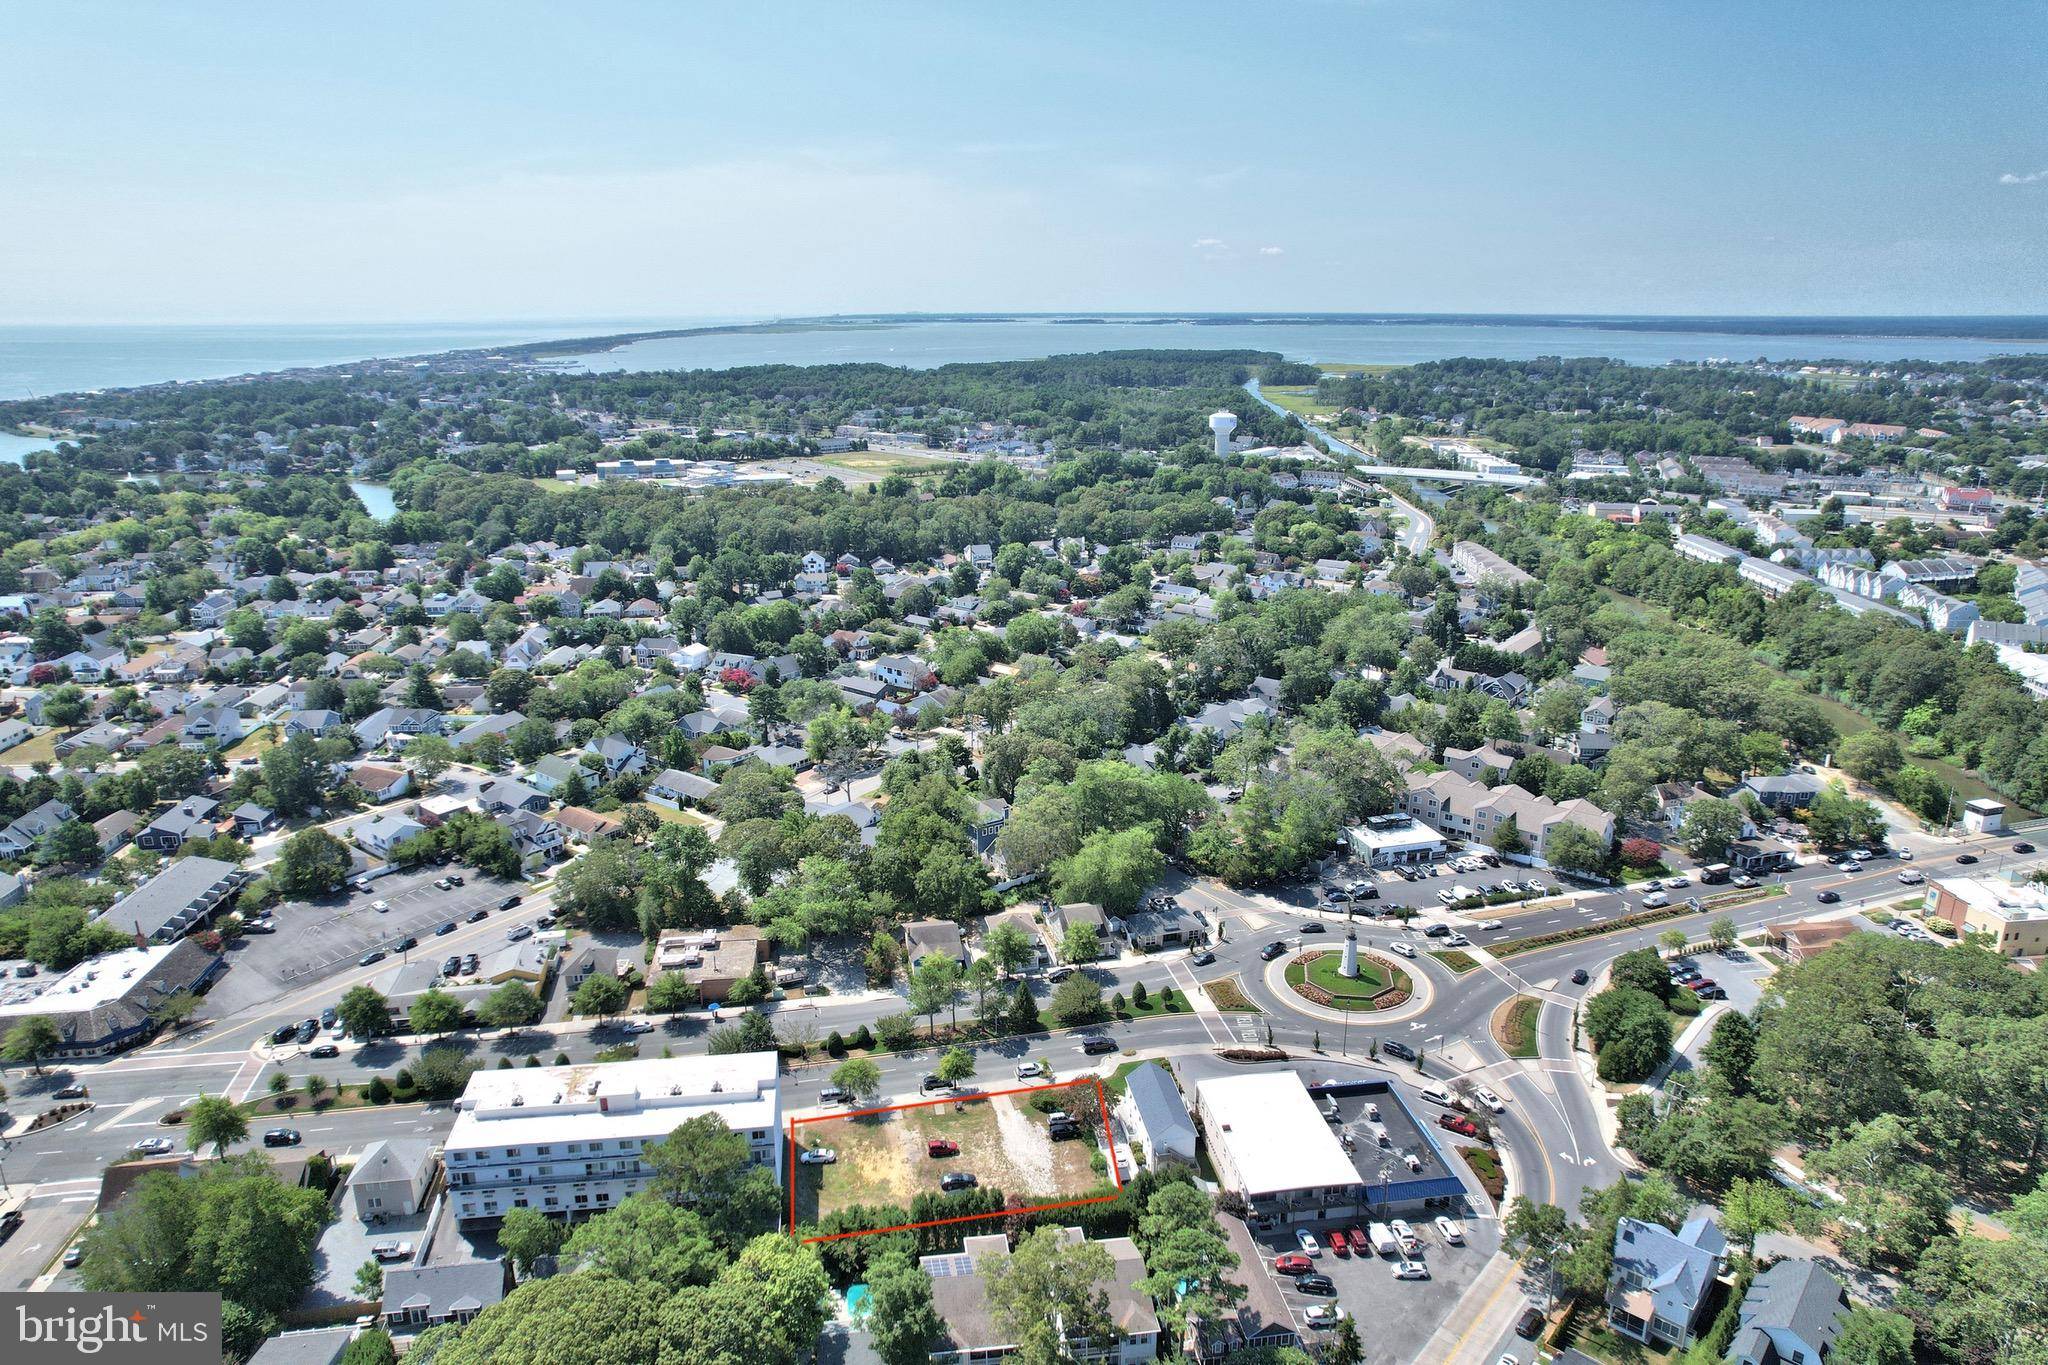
(949, 1267)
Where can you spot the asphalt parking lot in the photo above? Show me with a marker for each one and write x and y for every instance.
(1395, 1317)
(315, 938)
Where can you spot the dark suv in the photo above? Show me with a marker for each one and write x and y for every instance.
(1395, 1048)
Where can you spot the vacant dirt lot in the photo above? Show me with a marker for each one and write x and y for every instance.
(883, 1159)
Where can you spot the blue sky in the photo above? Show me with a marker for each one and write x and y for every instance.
(225, 162)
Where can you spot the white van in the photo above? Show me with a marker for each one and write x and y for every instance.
(1656, 900)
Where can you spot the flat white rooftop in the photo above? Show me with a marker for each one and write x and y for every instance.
(99, 981)
(644, 1098)
(1276, 1136)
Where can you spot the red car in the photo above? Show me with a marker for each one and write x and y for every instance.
(942, 1147)
(1291, 1263)
(1339, 1243)
(1458, 1124)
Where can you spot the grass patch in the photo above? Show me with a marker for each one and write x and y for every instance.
(673, 817)
(41, 749)
(1457, 959)
(1514, 1025)
(1157, 1003)
(1378, 986)
(1300, 400)
(884, 462)
(1227, 994)
(1631, 875)
(1879, 916)
(252, 745)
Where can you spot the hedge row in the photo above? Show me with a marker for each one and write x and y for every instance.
(1585, 931)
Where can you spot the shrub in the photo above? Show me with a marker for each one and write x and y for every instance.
(864, 1038)
(835, 1045)
(561, 1059)
(1138, 996)
(378, 1091)
(404, 1080)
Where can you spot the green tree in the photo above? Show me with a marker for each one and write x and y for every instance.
(436, 1011)
(671, 993)
(214, 1121)
(1077, 1000)
(1721, 933)
(294, 775)
(512, 1005)
(934, 986)
(374, 1346)
(312, 863)
(71, 842)
(364, 1012)
(1574, 849)
(1049, 1292)
(1008, 947)
(1081, 942)
(1872, 756)
(902, 1323)
(1872, 1336)
(647, 1238)
(706, 1166)
(860, 1078)
(955, 1065)
(1111, 869)
(527, 1235)
(369, 1280)
(31, 1040)
(600, 994)
(1751, 1208)
(1731, 1051)
(1709, 827)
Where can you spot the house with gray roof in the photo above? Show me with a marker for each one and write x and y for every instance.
(417, 1297)
(1155, 1114)
(1790, 1316)
(177, 900)
(313, 1346)
(1662, 1279)
(969, 1331)
(391, 1178)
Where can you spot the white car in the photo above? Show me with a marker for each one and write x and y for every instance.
(1324, 1315)
(156, 1146)
(817, 1156)
(1027, 1070)
(1446, 896)
(1306, 1240)
(638, 1026)
(1410, 1270)
(1649, 884)
(1489, 1099)
(1508, 1358)
(1451, 1230)
(1404, 1233)
(1404, 949)
(381, 907)
(1457, 941)
(1673, 883)
(1489, 924)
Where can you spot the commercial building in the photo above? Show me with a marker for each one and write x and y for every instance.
(1391, 840)
(2013, 917)
(105, 1004)
(969, 1331)
(1478, 562)
(567, 1139)
(1296, 1156)
(183, 897)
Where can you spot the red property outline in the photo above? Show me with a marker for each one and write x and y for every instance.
(1101, 1098)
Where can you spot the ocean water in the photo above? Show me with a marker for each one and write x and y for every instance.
(922, 345)
(37, 361)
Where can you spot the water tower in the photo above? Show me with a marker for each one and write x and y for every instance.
(1222, 424)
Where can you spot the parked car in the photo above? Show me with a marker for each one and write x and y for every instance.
(637, 1026)
(508, 902)
(1306, 1240)
(1529, 1324)
(1451, 1230)
(391, 1251)
(283, 1033)
(443, 884)
(1340, 1245)
(455, 877)
(1324, 1315)
(519, 931)
(74, 1256)
(381, 907)
(1060, 973)
(1030, 1070)
(1459, 1124)
(477, 915)
(374, 956)
(309, 1029)
(1099, 1044)
(1410, 1270)
(1710, 991)
(817, 1156)
(1291, 1263)
(1313, 1283)
(405, 944)
(447, 928)
(1404, 1233)
(942, 1147)
(958, 1180)
(281, 1137)
(832, 1094)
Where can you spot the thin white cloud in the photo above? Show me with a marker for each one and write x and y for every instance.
(1272, 251)
(2014, 178)
(1207, 243)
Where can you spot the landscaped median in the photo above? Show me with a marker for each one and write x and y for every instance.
(1514, 1025)
(1635, 921)
(1379, 985)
